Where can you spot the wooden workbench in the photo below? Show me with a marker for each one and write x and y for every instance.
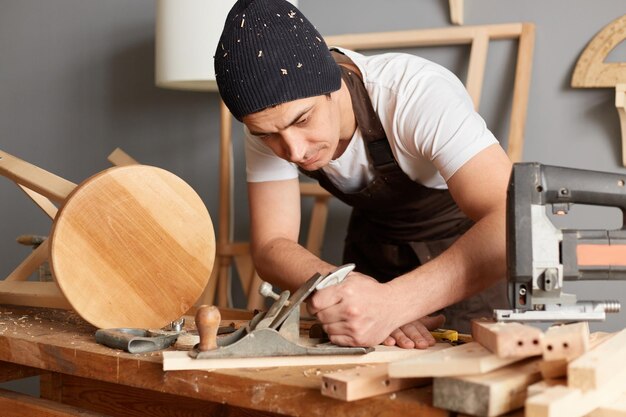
(78, 375)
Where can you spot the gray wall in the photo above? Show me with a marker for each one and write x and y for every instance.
(76, 81)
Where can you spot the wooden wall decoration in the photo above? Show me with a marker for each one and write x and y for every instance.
(592, 72)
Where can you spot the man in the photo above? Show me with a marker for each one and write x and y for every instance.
(394, 136)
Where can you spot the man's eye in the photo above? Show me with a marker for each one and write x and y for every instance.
(302, 121)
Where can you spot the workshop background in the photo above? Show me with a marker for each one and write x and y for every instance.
(77, 81)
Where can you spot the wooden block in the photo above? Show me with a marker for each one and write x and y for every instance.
(572, 402)
(597, 367)
(614, 409)
(173, 361)
(557, 368)
(364, 382)
(544, 385)
(467, 359)
(489, 394)
(566, 341)
(507, 340)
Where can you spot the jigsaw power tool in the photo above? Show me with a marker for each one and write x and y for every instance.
(540, 256)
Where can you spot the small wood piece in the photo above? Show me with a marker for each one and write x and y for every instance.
(207, 322)
(35, 294)
(120, 158)
(507, 340)
(364, 382)
(44, 203)
(562, 401)
(490, 394)
(566, 341)
(467, 359)
(597, 367)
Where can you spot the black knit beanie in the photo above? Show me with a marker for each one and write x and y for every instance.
(269, 54)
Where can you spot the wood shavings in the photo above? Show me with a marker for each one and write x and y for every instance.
(283, 71)
(291, 14)
(243, 21)
(318, 39)
(299, 65)
(260, 54)
(277, 14)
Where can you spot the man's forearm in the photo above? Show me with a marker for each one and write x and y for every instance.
(474, 262)
(287, 264)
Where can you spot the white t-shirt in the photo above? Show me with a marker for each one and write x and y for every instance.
(426, 112)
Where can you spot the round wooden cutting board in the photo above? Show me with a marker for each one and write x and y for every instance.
(133, 246)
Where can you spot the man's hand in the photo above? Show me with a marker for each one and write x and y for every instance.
(416, 334)
(358, 312)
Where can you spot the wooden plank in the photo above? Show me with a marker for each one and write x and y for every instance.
(29, 265)
(566, 341)
(34, 294)
(490, 394)
(422, 37)
(521, 92)
(596, 368)
(176, 361)
(467, 359)
(476, 67)
(365, 381)
(507, 340)
(613, 409)
(35, 178)
(14, 404)
(563, 401)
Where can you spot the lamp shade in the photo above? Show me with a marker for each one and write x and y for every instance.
(187, 32)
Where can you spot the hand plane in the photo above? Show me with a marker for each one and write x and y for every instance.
(540, 256)
(272, 333)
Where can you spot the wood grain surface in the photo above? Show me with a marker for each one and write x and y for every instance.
(62, 343)
(132, 246)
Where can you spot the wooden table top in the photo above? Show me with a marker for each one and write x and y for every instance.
(60, 341)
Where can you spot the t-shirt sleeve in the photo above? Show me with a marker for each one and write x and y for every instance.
(436, 119)
(263, 165)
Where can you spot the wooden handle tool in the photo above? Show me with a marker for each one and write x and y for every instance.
(207, 322)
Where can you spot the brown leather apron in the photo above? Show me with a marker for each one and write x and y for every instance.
(397, 224)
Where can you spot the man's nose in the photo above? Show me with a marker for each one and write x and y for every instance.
(295, 147)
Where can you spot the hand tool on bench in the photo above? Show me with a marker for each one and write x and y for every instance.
(272, 333)
(540, 256)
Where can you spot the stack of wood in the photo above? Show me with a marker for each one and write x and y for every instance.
(565, 371)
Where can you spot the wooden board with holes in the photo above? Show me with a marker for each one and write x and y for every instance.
(132, 246)
(507, 340)
(467, 359)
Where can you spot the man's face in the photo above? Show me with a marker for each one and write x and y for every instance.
(305, 131)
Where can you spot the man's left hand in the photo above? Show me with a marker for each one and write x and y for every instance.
(416, 334)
